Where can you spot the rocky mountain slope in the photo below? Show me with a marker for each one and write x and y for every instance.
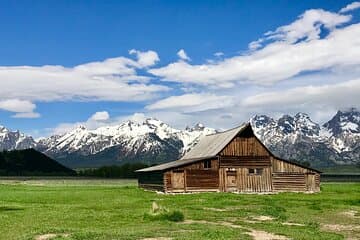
(298, 137)
(153, 141)
(14, 140)
(150, 141)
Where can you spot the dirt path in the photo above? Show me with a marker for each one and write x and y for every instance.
(255, 234)
(49, 236)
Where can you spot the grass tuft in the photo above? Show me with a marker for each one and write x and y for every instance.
(172, 216)
(159, 213)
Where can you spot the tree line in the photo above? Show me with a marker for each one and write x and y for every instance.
(124, 171)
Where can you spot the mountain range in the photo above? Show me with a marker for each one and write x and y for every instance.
(152, 141)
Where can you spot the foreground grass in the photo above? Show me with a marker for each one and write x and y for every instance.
(88, 209)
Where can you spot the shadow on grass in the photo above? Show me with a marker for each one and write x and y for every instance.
(8, 209)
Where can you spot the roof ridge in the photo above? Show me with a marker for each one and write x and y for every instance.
(228, 130)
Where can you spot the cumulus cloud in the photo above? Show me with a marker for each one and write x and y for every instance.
(182, 55)
(339, 95)
(145, 59)
(289, 51)
(114, 79)
(22, 108)
(350, 7)
(100, 116)
(311, 65)
(308, 26)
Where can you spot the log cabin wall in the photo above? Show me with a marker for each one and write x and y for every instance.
(245, 166)
(151, 181)
(244, 146)
(198, 176)
(290, 177)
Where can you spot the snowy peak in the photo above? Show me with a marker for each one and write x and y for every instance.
(3, 129)
(344, 121)
(14, 140)
(286, 126)
(306, 126)
(299, 137)
(260, 121)
(135, 136)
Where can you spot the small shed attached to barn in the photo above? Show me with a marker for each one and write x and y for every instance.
(230, 161)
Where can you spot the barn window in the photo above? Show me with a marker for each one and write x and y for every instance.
(259, 171)
(255, 171)
(207, 164)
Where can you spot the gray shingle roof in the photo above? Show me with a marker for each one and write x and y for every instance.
(208, 147)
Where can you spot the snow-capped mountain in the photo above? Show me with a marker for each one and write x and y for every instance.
(11, 140)
(298, 137)
(151, 140)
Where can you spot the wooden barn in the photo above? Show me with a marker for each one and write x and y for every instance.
(230, 161)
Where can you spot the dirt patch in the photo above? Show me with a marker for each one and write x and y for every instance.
(216, 209)
(351, 214)
(257, 235)
(263, 218)
(293, 224)
(49, 236)
(226, 224)
(258, 219)
(262, 235)
(340, 228)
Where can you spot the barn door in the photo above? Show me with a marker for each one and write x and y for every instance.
(178, 180)
(231, 181)
(310, 182)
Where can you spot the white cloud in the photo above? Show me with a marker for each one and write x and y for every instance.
(145, 59)
(192, 102)
(100, 116)
(113, 79)
(293, 49)
(340, 95)
(218, 54)
(308, 26)
(182, 55)
(26, 115)
(350, 7)
(22, 108)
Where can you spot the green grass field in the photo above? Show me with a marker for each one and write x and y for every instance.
(117, 209)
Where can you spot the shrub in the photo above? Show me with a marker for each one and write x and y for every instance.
(159, 213)
(175, 216)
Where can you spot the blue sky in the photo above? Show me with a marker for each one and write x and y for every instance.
(42, 42)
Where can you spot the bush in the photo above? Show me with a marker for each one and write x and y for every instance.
(173, 216)
(159, 213)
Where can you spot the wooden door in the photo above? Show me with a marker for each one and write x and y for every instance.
(178, 180)
(310, 182)
(231, 181)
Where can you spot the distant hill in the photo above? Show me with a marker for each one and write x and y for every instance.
(30, 162)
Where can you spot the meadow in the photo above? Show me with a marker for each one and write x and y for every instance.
(44, 209)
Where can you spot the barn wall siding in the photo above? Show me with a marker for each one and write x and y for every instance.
(254, 183)
(244, 147)
(151, 181)
(202, 179)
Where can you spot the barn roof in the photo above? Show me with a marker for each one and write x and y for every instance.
(209, 147)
